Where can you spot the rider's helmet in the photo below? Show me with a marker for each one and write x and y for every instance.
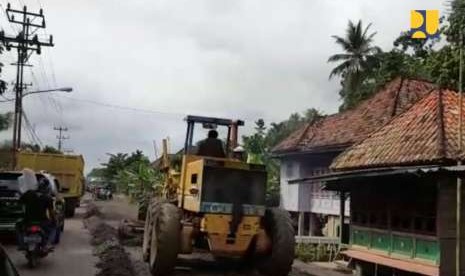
(44, 186)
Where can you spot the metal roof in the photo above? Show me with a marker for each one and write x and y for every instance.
(337, 177)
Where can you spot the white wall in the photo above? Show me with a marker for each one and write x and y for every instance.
(328, 206)
(307, 197)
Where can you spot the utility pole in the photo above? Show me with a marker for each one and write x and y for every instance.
(26, 42)
(60, 136)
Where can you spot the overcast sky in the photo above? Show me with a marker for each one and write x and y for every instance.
(242, 59)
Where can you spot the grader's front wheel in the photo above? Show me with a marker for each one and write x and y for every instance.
(147, 235)
(278, 225)
(165, 239)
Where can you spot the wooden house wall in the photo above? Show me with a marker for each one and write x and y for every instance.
(397, 217)
(446, 222)
(405, 206)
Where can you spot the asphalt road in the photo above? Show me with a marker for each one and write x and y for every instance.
(72, 257)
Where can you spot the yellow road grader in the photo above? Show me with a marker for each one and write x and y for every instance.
(216, 204)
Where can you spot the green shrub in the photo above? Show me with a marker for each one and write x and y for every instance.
(312, 252)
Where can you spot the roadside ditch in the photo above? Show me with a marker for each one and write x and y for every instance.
(114, 259)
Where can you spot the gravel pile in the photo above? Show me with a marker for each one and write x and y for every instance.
(92, 211)
(113, 259)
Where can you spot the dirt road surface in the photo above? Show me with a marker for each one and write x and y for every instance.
(72, 257)
(196, 264)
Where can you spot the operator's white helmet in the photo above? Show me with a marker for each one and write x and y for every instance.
(239, 149)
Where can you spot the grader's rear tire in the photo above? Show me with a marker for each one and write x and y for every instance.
(165, 239)
(278, 225)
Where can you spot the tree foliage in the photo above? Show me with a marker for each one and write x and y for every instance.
(411, 58)
(5, 145)
(264, 139)
(358, 58)
(51, 149)
(5, 119)
(97, 173)
(358, 50)
(129, 173)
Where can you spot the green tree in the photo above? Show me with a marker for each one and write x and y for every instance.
(96, 172)
(279, 131)
(133, 175)
(116, 163)
(456, 21)
(136, 158)
(51, 149)
(358, 50)
(358, 58)
(264, 139)
(31, 147)
(122, 170)
(5, 119)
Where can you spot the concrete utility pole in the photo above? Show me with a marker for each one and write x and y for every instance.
(60, 136)
(26, 42)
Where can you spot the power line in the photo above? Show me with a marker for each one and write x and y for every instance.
(32, 130)
(129, 108)
(31, 137)
(58, 109)
(42, 101)
(56, 105)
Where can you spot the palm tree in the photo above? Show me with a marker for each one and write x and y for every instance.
(359, 52)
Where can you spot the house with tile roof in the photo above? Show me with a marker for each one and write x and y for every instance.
(402, 181)
(310, 150)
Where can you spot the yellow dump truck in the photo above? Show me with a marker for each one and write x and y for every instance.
(68, 169)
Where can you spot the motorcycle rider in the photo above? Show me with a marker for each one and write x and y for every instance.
(39, 209)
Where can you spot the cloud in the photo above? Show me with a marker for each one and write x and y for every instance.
(240, 59)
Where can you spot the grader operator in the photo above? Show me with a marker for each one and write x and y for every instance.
(216, 203)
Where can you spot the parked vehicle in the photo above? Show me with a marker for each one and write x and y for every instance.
(6, 266)
(12, 212)
(68, 169)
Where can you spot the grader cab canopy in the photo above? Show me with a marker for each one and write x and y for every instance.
(212, 123)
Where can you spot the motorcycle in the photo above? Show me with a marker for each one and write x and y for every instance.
(103, 193)
(34, 240)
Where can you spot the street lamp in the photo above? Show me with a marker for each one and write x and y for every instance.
(19, 113)
(62, 89)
